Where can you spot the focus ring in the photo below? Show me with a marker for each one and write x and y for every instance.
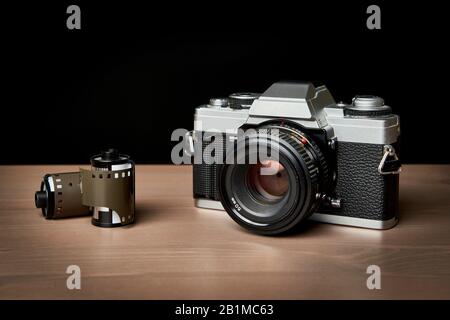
(312, 168)
(293, 137)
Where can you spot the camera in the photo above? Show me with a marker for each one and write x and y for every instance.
(336, 163)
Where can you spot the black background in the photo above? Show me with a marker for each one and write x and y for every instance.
(135, 72)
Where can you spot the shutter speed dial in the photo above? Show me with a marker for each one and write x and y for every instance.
(367, 106)
(242, 100)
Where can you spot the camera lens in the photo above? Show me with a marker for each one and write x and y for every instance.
(268, 187)
(274, 193)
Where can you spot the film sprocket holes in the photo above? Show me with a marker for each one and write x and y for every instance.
(60, 196)
(337, 163)
(107, 191)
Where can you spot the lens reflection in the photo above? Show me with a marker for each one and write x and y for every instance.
(268, 179)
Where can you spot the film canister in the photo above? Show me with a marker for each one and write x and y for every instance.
(60, 196)
(108, 188)
(106, 191)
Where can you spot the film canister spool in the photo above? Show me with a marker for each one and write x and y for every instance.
(60, 196)
(108, 189)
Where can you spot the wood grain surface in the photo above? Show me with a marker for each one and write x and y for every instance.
(177, 251)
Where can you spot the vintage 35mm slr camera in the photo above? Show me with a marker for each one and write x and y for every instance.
(337, 163)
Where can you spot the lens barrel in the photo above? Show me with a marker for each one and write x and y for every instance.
(276, 201)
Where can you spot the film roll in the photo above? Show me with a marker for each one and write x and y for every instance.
(60, 196)
(107, 191)
(108, 188)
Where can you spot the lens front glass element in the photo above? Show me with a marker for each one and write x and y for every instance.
(268, 180)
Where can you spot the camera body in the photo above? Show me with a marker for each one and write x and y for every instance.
(341, 160)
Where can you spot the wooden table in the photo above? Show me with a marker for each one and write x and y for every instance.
(176, 251)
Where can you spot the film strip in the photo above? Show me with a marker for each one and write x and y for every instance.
(110, 194)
